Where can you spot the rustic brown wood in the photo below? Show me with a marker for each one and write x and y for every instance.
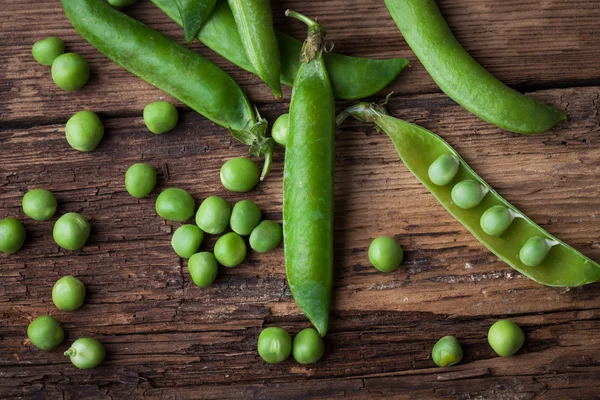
(167, 338)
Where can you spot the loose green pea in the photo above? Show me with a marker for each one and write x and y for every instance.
(12, 235)
(385, 254)
(447, 352)
(84, 131)
(230, 250)
(308, 347)
(245, 216)
(71, 231)
(121, 3)
(239, 174)
(140, 180)
(505, 337)
(175, 204)
(68, 293)
(534, 251)
(203, 268)
(468, 194)
(443, 170)
(496, 220)
(86, 353)
(39, 204)
(266, 236)
(70, 71)
(213, 215)
(187, 240)
(274, 345)
(160, 117)
(280, 129)
(46, 50)
(45, 333)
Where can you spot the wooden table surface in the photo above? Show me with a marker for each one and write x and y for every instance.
(166, 338)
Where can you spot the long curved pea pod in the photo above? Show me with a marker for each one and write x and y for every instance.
(549, 261)
(194, 14)
(308, 183)
(173, 68)
(351, 78)
(461, 77)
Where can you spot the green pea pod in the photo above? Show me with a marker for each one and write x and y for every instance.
(351, 77)
(461, 77)
(308, 183)
(419, 148)
(194, 14)
(173, 68)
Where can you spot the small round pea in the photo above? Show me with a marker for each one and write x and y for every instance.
(385, 254)
(140, 180)
(505, 337)
(468, 194)
(447, 352)
(84, 131)
(496, 220)
(245, 216)
(70, 71)
(71, 231)
(239, 174)
(45, 333)
(534, 251)
(308, 347)
(266, 236)
(86, 353)
(443, 170)
(203, 268)
(46, 50)
(175, 204)
(280, 129)
(213, 215)
(68, 293)
(39, 204)
(160, 117)
(230, 250)
(12, 235)
(187, 240)
(274, 345)
(121, 3)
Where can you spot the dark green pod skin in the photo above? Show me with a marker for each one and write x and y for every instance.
(351, 77)
(194, 14)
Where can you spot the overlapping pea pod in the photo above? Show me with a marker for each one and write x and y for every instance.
(193, 14)
(497, 224)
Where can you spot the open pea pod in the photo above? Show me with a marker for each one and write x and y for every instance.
(558, 264)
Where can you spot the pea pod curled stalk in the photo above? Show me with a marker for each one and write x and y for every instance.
(308, 182)
(173, 68)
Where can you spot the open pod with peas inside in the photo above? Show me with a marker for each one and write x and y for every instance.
(496, 223)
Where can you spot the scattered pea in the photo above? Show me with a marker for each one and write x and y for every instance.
(175, 204)
(280, 129)
(496, 220)
(266, 236)
(534, 251)
(245, 216)
(187, 240)
(230, 250)
(203, 268)
(86, 353)
(385, 254)
(443, 170)
(140, 180)
(71, 231)
(274, 345)
(505, 337)
(121, 3)
(45, 333)
(160, 117)
(213, 215)
(308, 347)
(239, 174)
(46, 50)
(12, 235)
(468, 193)
(68, 293)
(84, 131)
(39, 204)
(70, 71)
(447, 352)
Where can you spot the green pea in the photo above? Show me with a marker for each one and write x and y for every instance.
(468, 193)
(186, 240)
(239, 174)
(496, 220)
(385, 254)
(160, 117)
(46, 50)
(70, 71)
(505, 337)
(39, 204)
(274, 345)
(245, 216)
(308, 347)
(68, 293)
(213, 215)
(86, 353)
(203, 268)
(443, 170)
(230, 250)
(266, 236)
(280, 129)
(447, 352)
(71, 231)
(175, 204)
(534, 251)
(12, 235)
(121, 3)
(45, 333)
(84, 131)
(140, 180)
